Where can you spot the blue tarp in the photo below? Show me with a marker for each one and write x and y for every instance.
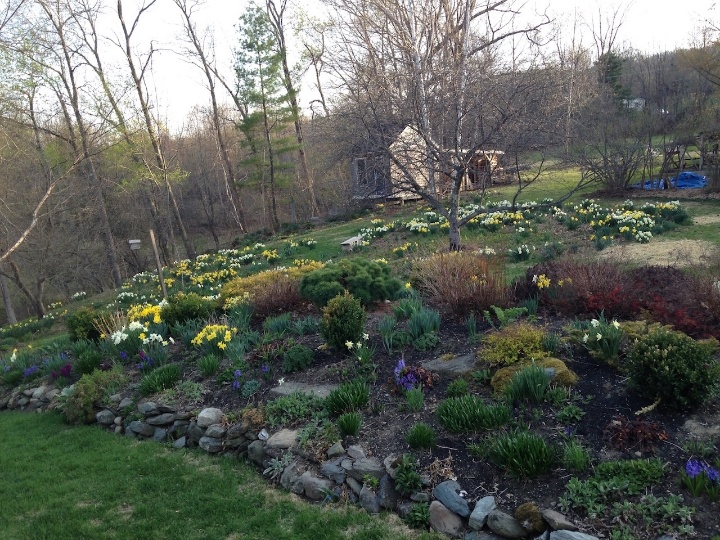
(686, 180)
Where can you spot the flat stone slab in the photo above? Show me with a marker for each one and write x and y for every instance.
(458, 365)
(318, 390)
(285, 438)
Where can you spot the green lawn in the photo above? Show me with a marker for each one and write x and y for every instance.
(80, 482)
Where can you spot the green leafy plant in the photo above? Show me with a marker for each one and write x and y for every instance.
(250, 387)
(343, 321)
(420, 435)
(159, 379)
(414, 400)
(673, 367)
(386, 328)
(82, 324)
(423, 327)
(407, 477)
(419, 516)
(469, 413)
(504, 317)
(472, 330)
(349, 424)
(277, 465)
(522, 453)
(297, 358)
(88, 357)
(293, 408)
(481, 376)
(278, 325)
(570, 414)
(91, 388)
(209, 364)
(603, 339)
(551, 343)
(405, 307)
(348, 397)
(306, 326)
(529, 385)
(458, 387)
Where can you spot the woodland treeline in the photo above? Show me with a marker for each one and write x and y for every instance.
(86, 163)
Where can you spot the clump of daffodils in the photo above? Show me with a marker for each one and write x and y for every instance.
(214, 337)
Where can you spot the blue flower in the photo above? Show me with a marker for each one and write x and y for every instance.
(265, 368)
(238, 373)
(694, 467)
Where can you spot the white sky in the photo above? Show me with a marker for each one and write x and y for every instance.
(649, 26)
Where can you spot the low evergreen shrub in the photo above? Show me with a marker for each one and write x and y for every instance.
(343, 321)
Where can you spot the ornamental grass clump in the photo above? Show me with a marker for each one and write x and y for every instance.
(528, 385)
(420, 435)
(160, 379)
(349, 424)
(343, 321)
(523, 454)
(348, 397)
(469, 413)
(674, 368)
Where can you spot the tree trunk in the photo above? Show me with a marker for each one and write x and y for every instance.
(7, 300)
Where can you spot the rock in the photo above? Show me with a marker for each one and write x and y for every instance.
(291, 475)
(387, 496)
(209, 416)
(333, 471)
(448, 493)
(166, 409)
(443, 520)
(50, 394)
(125, 403)
(557, 521)
(480, 513)
(369, 500)
(354, 485)
(319, 390)
(105, 417)
(141, 428)
(505, 525)
(256, 452)
(161, 419)
(115, 398)
(194, 432)
(118, 421)
(454, 367)
(367, 466)
(38, 392)
(216, 431)
(529, 516)
(346, 464)
(314, 487)
(180, 443)
(420, 496)
(391, 463)
(336, 450)
(403, 510)
(356, 452)
(183, 416)
(148, 408)
(210, 444)
(160, 434)
(238, 430)
(22, 401)
(28, 392)
(285, 438)
(118, 430)
(482, 535)
(571, 535)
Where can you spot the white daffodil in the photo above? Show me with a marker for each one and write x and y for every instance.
(281, 381)
(585, 338)
(366, 337)
(616, 324)
(349, 344)
(598, 336)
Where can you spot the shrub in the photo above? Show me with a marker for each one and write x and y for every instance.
(469, 413)
(528, 384)
(407, 478)
(182, 307)
(349, 424)
(461, 282)
(522, 453)
(458, 387)
(369, 281)
(673, 367)
(91, 388)
(420, 435)
(160, 379)
(245, 289)
(343, 320)
(209, 365)
(297, 358)
(512, 344)
(296, 407)
(281, 295)
(348, 397)
(82, 324)
(88, 361)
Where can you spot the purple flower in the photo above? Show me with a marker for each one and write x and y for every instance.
(236, 384)
(265, 368)
(27, 372)
(694, 467)
(238, 373)
(65, 370)
(123, 356)
(712, 473)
